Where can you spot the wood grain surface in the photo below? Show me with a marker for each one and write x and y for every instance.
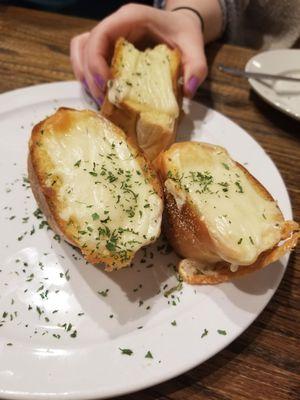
(263, 363)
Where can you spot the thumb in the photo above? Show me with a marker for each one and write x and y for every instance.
(194, 63)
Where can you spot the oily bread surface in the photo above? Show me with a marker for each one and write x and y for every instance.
(40, 165)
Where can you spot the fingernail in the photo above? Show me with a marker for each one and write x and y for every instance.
(85, 85)
(100, 100)
(193, 85)
(100, 82)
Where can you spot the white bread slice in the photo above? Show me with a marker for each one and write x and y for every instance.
(144, 95)
(218, 217)
(96, 188)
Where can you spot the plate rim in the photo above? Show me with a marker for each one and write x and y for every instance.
(256, 88)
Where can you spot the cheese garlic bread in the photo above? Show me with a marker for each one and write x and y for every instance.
(144, 95)
(94, 186)
(218, 217)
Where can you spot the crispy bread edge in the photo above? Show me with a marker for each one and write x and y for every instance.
(224, 274)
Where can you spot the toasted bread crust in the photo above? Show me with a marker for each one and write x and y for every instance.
(39, 164)
(127, 118)
(42, 195)
(46, 197)
(222, 272)
(189, 236)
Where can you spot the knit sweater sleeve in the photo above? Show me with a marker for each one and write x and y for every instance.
(232, 11)
(232, 14)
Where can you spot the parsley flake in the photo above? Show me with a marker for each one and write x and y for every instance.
(128, 352)
(240, 189)
(57, 238)
(148, 354)
(95, 216)
(104, 293)
(204, 333)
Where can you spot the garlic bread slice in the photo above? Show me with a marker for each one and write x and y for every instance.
(144, 96)
(96, 189)
(218, 217)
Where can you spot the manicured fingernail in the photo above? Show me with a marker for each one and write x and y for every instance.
(85, 85)
(193, 85)
(100, 100)
(100, 82)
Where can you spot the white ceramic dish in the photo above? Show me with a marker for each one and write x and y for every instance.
(283, 95)
(39, 275)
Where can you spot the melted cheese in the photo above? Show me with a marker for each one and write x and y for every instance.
(190, 268)
(144, 78)
(103, 191)
(241, 222)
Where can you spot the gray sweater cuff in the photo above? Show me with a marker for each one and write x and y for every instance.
(232, 15)
(224, 15)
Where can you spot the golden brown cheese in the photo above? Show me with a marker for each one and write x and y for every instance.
(242, 222)
(104, 191)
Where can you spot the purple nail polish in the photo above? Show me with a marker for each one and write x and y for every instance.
(100, 100)
(193, 85)
(85, 85)
(100, 82)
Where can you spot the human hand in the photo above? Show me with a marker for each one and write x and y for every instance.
(92, 51)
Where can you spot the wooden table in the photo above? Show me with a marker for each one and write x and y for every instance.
(263, 363)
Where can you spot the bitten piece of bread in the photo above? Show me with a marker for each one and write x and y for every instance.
(144, 95)
(94, 186)
(218, 217)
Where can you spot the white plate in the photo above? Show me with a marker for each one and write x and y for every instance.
(38, 365)
(283, 95)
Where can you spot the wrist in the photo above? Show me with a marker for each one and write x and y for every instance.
(210, 11)
(191, 12)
